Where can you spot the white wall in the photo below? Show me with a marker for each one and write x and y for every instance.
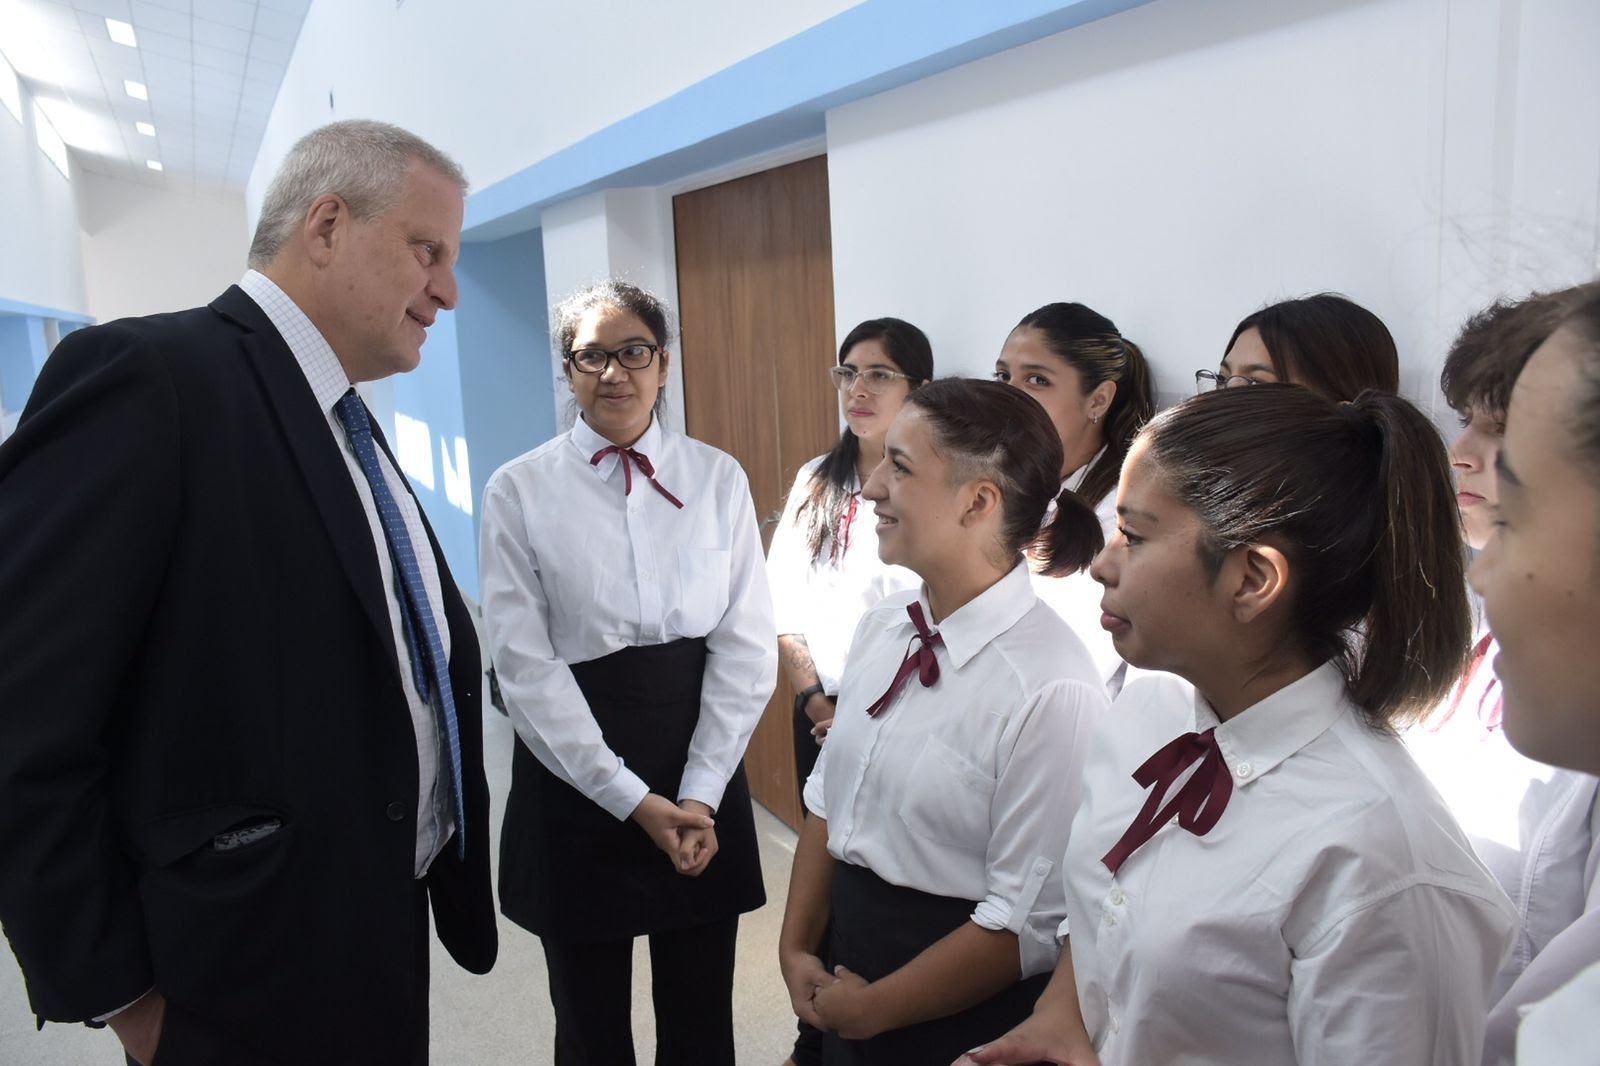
(42, 263)
(147, 249)
(500, 86)
(1178, 165)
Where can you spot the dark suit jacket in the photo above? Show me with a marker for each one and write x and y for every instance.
(193, 634)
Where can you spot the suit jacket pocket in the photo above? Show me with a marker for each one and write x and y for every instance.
(171, 837)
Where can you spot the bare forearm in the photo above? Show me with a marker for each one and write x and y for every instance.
(960, 970)
(805, 915)
(798, 668)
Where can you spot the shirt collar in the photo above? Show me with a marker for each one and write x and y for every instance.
(1257, 739)
(317, 361)
(1074, 479)
(587, 441)
(977, 622)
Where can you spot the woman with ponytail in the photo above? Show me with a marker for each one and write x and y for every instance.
(1264, 876)
(1326, 342)
(1095, 385)
(823, 562)
(938, 810)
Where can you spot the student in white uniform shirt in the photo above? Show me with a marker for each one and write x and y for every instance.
(1539, 575)
(939, 807)
(629, 619)
(1312, 901)
(1095, 385)
(1537, 827)
(823, 562)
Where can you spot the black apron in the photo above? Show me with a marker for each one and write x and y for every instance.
(878, 928)
(571, 872)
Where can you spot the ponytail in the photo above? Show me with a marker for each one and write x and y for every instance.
(1130, 409)
(1071, 539)
(1358, 497)
(1419, 626)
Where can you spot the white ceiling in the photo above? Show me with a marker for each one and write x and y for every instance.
(212, 68)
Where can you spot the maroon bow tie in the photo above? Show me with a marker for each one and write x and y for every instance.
(1198, 804)
(919, 660)
(639, 460)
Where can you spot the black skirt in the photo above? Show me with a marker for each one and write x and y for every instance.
(571, 872)
(878, 928)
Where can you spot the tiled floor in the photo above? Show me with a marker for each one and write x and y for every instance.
(503, 1017)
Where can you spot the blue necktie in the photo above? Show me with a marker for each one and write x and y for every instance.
(428, 666)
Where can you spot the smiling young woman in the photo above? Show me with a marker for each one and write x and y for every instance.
(631, 630)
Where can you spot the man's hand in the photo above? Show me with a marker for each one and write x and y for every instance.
(696, 847)
(1037, 1039)
(803, 974)
(139, 1027)
(820, 731)
(819, 708)
(846, 1006)
(665, 823)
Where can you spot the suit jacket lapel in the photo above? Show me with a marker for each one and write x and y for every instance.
(311, 442)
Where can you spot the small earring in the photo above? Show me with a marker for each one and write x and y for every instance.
(1094, 420)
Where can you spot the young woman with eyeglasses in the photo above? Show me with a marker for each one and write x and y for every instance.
(1094, 384)
(1327, 343)
(630, 624)
(823, 562)
(938, 811)
(1259, 874)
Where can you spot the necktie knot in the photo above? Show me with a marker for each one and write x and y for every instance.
(639, 459)
(352, 414)
(919, 659)
(1198, 804)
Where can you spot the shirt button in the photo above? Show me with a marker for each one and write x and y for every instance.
(1117, 898)
(1243, 770)
(648, 575)
(1111, 921)
(1041, 867)
(396, 812)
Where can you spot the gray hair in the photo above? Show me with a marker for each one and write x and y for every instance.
(362, 162)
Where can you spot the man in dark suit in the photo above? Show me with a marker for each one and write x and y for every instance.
(240, 733)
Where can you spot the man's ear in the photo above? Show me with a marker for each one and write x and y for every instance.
(1262, 581)
(325, 221)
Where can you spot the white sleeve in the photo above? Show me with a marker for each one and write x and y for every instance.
(741, 660)
(789, 561)
(542, 698)
(1036, 795)
(1402, 979)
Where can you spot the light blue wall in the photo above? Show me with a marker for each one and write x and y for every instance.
(22, 355)
(503, 336)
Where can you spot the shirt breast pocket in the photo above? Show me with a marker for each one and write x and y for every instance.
(948, 798)
(703, 588)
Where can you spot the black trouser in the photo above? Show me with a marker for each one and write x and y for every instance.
(691, 970)
(806, 751)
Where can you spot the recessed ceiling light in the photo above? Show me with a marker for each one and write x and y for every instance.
(154, 164)
(121, 32)
(136, 90)
(145, 128)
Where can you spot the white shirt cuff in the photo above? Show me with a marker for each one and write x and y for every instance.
(622, 794)
(103, 1018)
(703, 785)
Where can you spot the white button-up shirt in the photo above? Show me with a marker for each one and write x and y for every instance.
(328, 381)
(573, 569)
(822, 600)
(1076, 597)
(965, 788)
(1335, 913)
(1562, 1030)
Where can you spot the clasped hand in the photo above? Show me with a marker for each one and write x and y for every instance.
(685, 832)
(835, 1002)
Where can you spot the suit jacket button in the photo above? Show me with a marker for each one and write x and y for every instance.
(397, 812)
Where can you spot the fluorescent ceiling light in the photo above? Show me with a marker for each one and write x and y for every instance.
(136, 90)
(10, 90)
(154, 164)
(145, 128)
(121, 32)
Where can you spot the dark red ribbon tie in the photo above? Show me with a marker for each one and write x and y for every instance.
(642, 462)
(1198, 804)
(919, 660)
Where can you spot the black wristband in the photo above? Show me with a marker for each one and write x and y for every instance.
(803, 697)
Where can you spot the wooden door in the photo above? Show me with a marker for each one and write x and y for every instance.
(755, 295)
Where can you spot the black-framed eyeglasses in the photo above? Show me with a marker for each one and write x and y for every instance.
(1207, 380)
(635, 356)
(875, 378)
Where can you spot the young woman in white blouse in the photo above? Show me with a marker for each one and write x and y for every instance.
(629, 620)
(823, 562)
(1095, 385)
(1537, 827)
(1260, 874)
(1539, 575)
(936, 808)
